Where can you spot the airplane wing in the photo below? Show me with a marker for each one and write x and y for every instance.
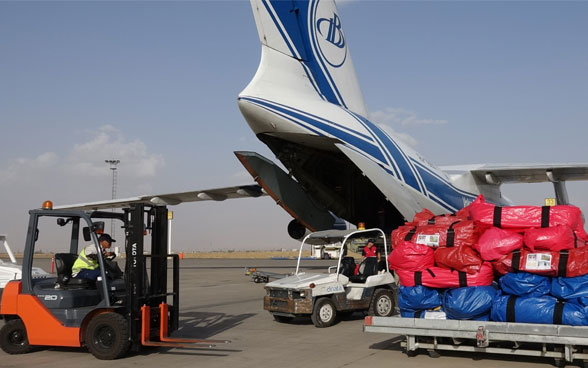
(517, 173)
(169, 199)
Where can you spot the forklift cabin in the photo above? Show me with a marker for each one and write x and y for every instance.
(109, 316)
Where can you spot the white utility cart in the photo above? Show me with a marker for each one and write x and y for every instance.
(340, 290)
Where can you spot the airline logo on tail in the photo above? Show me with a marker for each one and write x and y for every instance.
(332, 35)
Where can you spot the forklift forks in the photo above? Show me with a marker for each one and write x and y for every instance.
(164, 339)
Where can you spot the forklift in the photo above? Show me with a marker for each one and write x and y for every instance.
(110, 316)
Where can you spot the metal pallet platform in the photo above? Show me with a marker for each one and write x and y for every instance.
(561, 342)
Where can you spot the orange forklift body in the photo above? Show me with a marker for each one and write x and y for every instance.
(42, 327)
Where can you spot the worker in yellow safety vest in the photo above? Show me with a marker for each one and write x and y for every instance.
(86, 265)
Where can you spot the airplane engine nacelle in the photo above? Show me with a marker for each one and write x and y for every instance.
(296, 230)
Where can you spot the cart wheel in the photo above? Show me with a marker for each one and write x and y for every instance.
(324, 313)
(107, 336)
(13, 337)
(256, 280)
(282, 319)
(382, 303)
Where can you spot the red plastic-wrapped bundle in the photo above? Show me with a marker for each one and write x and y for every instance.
(524, 217)
(437, 277)
(567, 263)
(464, 259)
(410, 256)
(495, 243)
(554, 238)
(457, 234)
(426, 217)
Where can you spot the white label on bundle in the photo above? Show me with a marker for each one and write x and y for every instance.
(538, 261)
(428, 240)
(435, 315)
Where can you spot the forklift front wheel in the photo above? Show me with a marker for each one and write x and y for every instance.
(13, 337)
(107, 336)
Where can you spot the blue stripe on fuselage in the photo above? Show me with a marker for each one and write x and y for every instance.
(443, 190)
(293, 16)
(398, 156)
(367, 147)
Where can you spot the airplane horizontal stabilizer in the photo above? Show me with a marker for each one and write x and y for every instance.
(515, 173)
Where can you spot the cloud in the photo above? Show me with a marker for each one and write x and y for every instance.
(78, 170)
(394, 116)
(88, 158)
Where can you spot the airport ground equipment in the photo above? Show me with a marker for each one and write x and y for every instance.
(325, 296)
(259, 276)
(109, 316)
(561, 342)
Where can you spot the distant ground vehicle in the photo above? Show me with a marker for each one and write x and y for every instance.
(323, 296)
(108, 316)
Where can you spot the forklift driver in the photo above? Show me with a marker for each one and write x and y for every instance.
(86, 265)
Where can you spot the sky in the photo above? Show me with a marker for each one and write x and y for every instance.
(154, 85)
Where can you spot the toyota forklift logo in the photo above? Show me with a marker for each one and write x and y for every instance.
(330, 39)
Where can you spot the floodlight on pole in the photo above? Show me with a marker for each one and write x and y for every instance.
(113, 164)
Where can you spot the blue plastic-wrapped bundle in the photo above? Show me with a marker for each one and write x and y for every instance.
(418, 298)
(544, 309)
(469, 302)
(570, 287)
(413, 301)
(525, 284)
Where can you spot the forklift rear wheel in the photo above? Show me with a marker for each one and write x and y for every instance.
(107, 336)
(324, 313)
(382, 303)
(13, 337)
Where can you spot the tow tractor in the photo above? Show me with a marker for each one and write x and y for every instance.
(339, 291)
(109, 316)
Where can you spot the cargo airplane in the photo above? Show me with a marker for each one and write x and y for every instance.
(305, 104)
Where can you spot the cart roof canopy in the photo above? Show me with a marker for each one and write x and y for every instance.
(337, 236)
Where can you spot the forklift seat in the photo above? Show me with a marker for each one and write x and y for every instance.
(63, 265)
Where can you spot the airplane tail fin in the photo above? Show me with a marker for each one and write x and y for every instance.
(310, 33)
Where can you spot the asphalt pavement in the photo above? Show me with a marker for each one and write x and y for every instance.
(218, 301)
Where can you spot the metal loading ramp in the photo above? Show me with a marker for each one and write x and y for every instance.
(561, 342)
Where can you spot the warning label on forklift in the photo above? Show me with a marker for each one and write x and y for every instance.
(538, 261)
(428, 240)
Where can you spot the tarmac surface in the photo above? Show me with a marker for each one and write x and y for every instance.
(218, 301)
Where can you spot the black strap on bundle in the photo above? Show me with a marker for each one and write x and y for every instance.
(451, 235)
(410, 234)
(497, 216)
(463, 279)
(516, 260)
(510, 308)
(431, 221)
(545, 216)
(418, 278)
(575, 239)
(417, 314)
(562, 266)
(431, 273)
(558, 312)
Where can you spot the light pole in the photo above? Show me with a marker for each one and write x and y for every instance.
(113, 164)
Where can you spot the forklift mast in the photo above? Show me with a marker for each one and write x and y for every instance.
(141, 289)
